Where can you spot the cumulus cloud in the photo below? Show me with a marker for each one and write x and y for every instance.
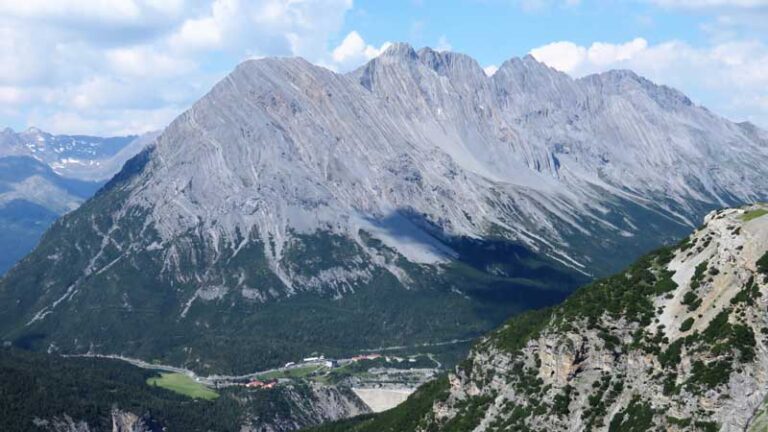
(144, 61)
(443, 44)
(103, 66)
(198, 34)
(731, 76)
(114, 11)
(570, 57)
(117, 122)
(11, 95)
(565, 56)
(353, 51)
(490, 69)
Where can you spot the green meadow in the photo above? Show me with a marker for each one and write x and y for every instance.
(183, 384)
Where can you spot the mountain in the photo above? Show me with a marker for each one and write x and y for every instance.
(675, 342)
(43, 176)
(295, 210)
(32, 196)
(80, 157)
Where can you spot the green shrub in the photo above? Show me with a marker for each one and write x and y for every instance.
(562, 401)
(762, 264)
(698, 275)
(710, 375)
(687, 324)
(636, 417)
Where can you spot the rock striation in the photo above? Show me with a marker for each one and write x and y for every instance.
(415, 198)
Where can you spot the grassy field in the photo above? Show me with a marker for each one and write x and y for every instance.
(754, 214)
(300, 372)
(183, 384)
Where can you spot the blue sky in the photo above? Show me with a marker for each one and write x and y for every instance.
(126, 66)
(492, 31)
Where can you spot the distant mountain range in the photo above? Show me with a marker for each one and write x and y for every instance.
(295, 210)
(43, 176)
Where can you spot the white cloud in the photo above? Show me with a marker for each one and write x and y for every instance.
(730, 77)
(11, 95)
(96, 65)
(21, 57)
(443, 44)
(570, 57)
(352, 51)
(144, 61)
(200, 33)
(490, 69)
(128, 122)
(606, 54)
(123, 12)
(564, 55)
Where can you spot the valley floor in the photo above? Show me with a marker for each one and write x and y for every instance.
(381, 378)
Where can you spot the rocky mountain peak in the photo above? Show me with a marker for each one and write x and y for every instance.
(399, 51)
(288, 181)
(281, 146)
(34, 131)
(455, 65)
(625, 81)
(528, 66)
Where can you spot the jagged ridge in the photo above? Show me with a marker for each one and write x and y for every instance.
(416, 195)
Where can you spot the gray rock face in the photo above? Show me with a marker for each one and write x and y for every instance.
(283, 146)
(701, 360)
(122, 421)
(321, 404)
(301, 408)
(288, 181)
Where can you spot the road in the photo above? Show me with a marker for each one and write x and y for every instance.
(218, 380)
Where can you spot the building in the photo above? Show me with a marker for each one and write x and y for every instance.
(366, 357)
(257, 384)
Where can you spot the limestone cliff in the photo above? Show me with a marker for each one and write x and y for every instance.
(677, 342)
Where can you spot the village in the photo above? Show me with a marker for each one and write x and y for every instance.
(381, 381)
(318, 367)
(318, 363)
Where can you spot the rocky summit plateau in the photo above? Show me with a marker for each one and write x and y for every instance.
(294, 210)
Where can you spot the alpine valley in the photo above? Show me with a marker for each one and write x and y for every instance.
(294, 211)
